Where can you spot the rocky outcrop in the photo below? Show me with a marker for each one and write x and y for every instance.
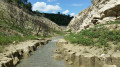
(74, 55)
(100, 12)
(16, 52)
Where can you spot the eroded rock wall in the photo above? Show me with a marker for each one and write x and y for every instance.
(100, 12)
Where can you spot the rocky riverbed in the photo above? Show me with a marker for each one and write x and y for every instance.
(15, 52)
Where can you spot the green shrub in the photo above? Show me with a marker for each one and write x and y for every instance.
(68, 30)
(92, 33)
(103, 42)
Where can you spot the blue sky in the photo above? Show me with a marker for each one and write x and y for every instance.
(72, 7)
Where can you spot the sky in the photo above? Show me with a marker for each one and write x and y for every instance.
(71, 7)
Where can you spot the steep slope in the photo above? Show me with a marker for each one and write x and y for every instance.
(100, 12)
(11, 16)
(18, 25)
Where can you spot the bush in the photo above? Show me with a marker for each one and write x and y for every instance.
(103, 42)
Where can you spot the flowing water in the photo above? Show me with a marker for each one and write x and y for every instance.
(43, 57)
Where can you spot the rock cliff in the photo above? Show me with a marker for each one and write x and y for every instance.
(100, 12)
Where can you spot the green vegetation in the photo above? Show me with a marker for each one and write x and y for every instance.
(98, 36)
(5, 39)
(21, 4)
(13, 33)
(68, 30)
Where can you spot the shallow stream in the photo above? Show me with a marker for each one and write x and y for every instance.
(43, 57)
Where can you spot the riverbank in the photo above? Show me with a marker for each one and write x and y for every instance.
(44, 56)
(15, 52)
(84, 56)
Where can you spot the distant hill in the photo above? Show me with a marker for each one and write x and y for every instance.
(60, 19)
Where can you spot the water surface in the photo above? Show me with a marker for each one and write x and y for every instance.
(43, 57)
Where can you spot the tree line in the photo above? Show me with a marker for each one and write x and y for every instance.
(21, 4)
(59, 18)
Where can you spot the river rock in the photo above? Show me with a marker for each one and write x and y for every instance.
(77, 61)
(26, 52)
(58, 56)
(109, 65)
(88, 60)
(115, 59)
(15, 60)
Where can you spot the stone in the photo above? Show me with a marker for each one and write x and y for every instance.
(109, 65)
(77, 61)
(70, 62)
(88, 60)
(58, 56)
(15, 60)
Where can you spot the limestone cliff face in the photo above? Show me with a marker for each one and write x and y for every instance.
(100, 12)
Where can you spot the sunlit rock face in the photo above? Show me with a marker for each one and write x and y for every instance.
(100, 12)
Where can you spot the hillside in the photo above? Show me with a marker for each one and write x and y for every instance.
(17, 25)
(100, 12)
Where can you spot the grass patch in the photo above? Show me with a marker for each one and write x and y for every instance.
(100, 33)
(68, 30)
(79, 39)
(5, 39)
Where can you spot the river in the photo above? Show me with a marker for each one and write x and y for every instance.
(43, 57)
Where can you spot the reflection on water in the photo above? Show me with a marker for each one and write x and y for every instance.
(43, 57)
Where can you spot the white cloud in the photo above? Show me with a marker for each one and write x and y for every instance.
(42, 6)
(58, 3)
(65, 12)
(77, 4)
(51, 0)
(53, 11)
(72, 14)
